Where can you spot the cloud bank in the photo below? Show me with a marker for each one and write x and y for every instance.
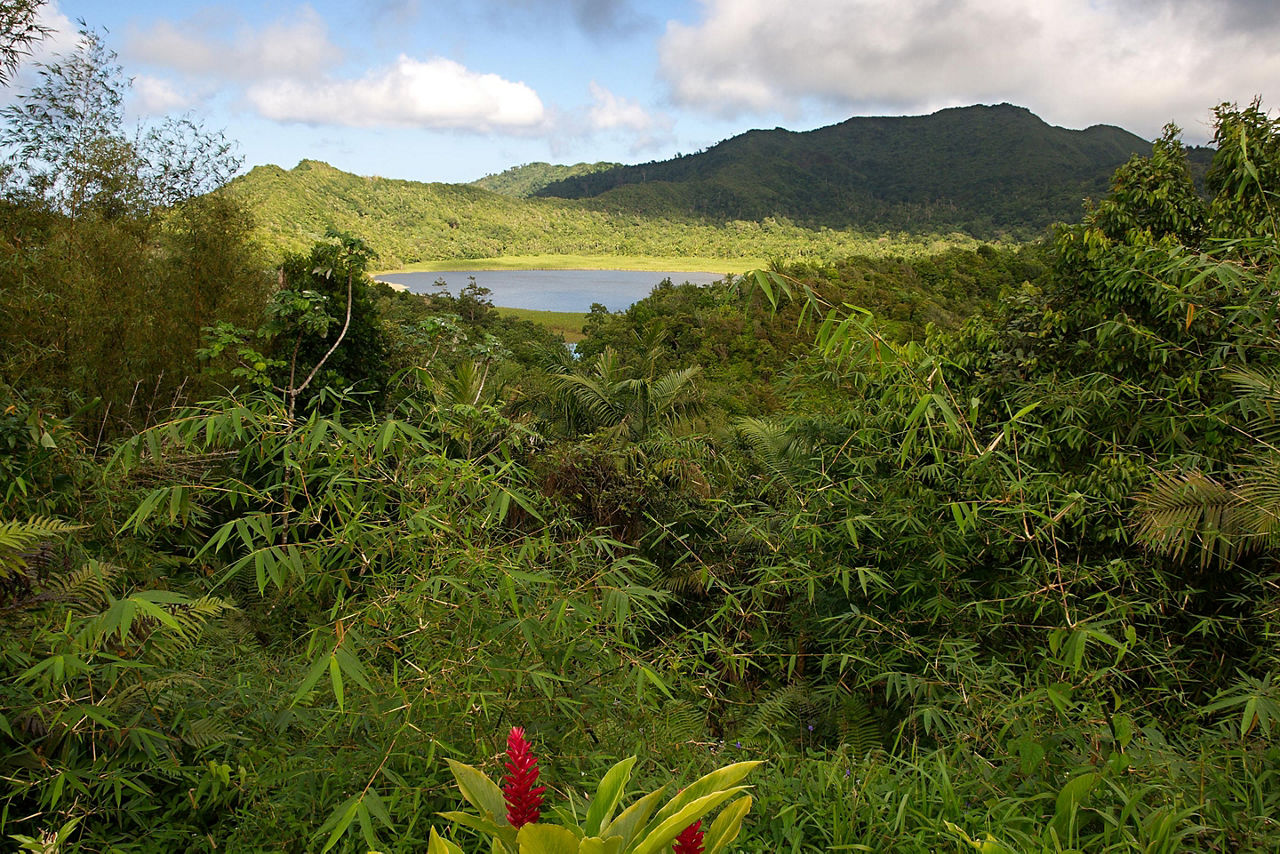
(283, 72)
(1138, 63)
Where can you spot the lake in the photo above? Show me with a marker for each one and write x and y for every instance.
(552, 290)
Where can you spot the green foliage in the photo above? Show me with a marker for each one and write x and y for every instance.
(525, 180)
(68, 148)
(977, 550)
(113, 260)
(102, 696)
(19, 30)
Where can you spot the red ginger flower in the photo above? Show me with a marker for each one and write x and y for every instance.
(689, 841)
(524, 802)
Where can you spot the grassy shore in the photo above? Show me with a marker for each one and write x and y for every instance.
(589, 262)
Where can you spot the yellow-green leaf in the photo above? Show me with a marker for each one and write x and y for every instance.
(481, 792)
(608, 795)
(546, 839)
(662, 835)
(726, 826)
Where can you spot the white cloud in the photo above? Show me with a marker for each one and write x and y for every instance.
(1136, 63)
(295, 47)
(436, 93)
(155, 96)
(610, 111)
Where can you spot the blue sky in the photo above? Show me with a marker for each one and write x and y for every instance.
(450, 91)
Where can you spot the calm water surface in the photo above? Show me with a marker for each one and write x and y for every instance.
(552, 290)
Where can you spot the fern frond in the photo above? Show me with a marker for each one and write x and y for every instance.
(87, 589)
(772, 444)
(203, 733)
(778, 718)
(18, 537)
(858, 725)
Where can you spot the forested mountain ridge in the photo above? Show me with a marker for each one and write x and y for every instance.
(980, 169)
(984, 171)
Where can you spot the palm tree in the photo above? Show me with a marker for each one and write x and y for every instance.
(607, 399)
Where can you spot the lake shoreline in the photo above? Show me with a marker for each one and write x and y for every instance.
(557, 290)
(601, 263)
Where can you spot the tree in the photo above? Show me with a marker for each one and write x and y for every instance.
(321, 327)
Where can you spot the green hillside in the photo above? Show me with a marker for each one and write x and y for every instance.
(852, 188)
(409, 222)
(984, 170)
(523, 181)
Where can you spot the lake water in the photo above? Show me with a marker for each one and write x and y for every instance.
(552, 290)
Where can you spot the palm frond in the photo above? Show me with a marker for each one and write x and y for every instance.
(1182, 511)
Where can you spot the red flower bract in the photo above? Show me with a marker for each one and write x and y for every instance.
(689, 841)
(524, 801)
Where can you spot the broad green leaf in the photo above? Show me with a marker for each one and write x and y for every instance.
(634, 817)
(726, 826)
(608, 796)
(660, 836)
(546, 839)
(475, 822)
(1073, 794)
(596, 845)
(439, 845)
(481, 792)
(729, 775)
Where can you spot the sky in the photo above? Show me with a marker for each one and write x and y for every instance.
(451, 91)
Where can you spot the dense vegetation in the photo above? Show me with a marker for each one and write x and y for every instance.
(523, 181)
(985, 171)
(975, 551)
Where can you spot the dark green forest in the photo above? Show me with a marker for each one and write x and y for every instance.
(988, 171)
(971, 549)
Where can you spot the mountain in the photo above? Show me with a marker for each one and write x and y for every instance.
(983, 169)
(523, 181)
(409, 221)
